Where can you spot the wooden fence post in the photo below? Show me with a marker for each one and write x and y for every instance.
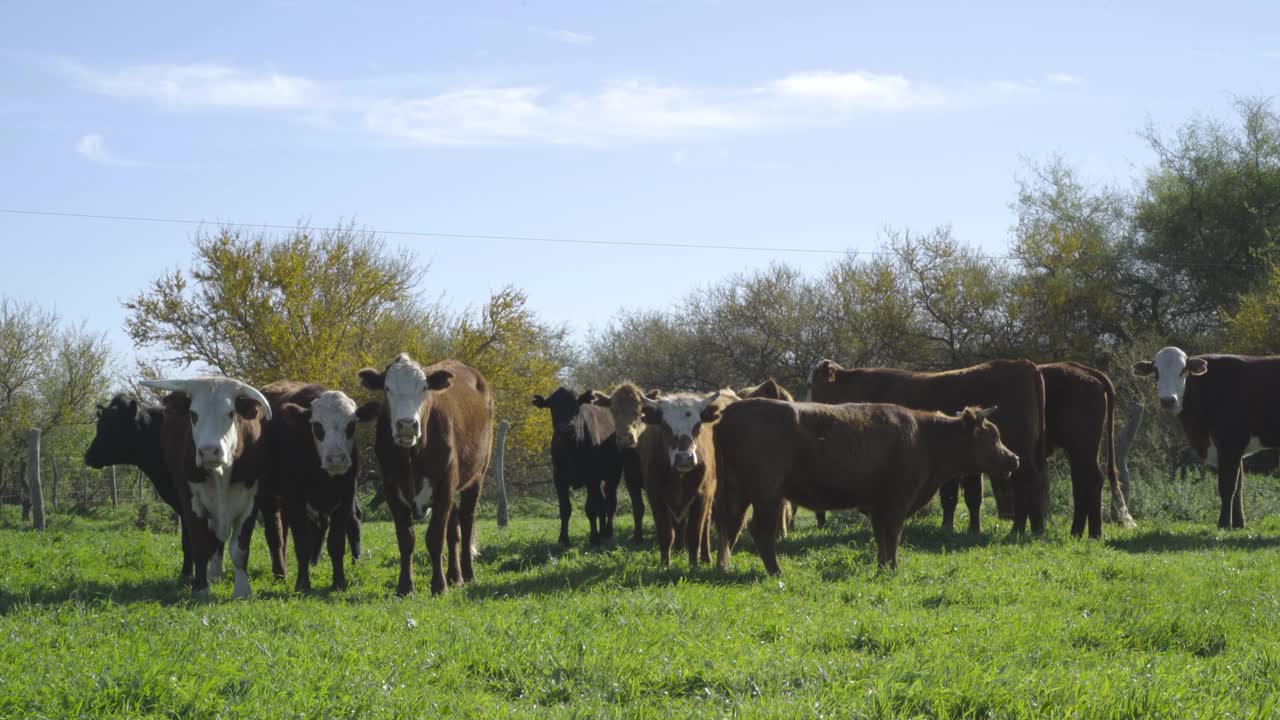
(1125, 441)
(115, 489)
(33, 465)
(499, 473)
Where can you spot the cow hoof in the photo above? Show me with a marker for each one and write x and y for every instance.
(637, 539)
(338, 586)
(202, 594)
(302, 587)
(404, 590)
(437, 586)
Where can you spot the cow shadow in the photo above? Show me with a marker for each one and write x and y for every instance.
(582, 578)
(162, 591)
(1161, 541)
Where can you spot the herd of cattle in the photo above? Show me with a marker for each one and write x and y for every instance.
(881, 441)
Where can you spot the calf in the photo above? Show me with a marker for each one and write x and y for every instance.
(312, 463)
(214, 450)
(584, 454)
(885, 460)
(1229, 408)
(1079, 406)
(1015, 386)
(434, 439)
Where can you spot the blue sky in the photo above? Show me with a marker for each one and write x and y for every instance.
(805, 124)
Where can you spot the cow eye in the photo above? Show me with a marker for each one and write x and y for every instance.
(318, 429)
(195, 417)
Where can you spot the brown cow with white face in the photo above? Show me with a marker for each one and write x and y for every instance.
(434, 439)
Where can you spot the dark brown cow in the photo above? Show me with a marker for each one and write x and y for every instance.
(1228, 408)
(312, 463)
(584, 454)
(1079, 404)
(626, 408)
(214, 449)
(1015, 386)
(772, 390)
(434, 439)
(885, 460)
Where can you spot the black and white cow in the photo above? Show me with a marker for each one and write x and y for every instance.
(584, 454)
(1229, 407)
(215, 451)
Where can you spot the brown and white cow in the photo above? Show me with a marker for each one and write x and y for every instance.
(626, 409)
(434, 439)
(882, 459)
(214, 449)
(312, 463)
(1229, 407)
(1015, 386)
(1079, 404)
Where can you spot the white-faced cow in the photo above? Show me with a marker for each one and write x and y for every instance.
(434, 439)
(1228, 406)
(584, 454)
(215, 452)
(312, 466)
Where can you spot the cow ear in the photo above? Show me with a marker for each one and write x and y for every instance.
(539, 401)
(177, 402)
(709, 414)
(653, 394)
(247, 408)
(295, 412)
(600, 399)
(587, 397)
(969, 419)
(368, 411)
(1144, 367)
(439, 380)
(372, 379)
(651, 416)
(1197, 366)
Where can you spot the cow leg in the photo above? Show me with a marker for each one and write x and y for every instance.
(1228, 473)
(706, 537)
(455, 548)
(319, 530)
(1237, 501)
(595, 511)
(636, 491)
(887, 527)
(202, 544)
(337, 545)
(470, 498)
(973, 502)
(820, 516)
(693, 534)
(303, 535)
(405, 540)
(950, 495)
(354, 523)
(1093, 491)
(610, 505)
(274, 532)
(665, 530)
(787, 519)
(566, 510)
(764, 530)
(1079, 501)
(241, 535)
(731, 514)
(188, 556)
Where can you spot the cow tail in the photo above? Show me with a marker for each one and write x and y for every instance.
(1119, 508)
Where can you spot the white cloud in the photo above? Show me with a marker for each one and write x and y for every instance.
(571, 38)
(198, 85)
(857, 90)
(1062, 79)
(93, 147)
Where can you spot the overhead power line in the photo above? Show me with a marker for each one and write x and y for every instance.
(1171, 261)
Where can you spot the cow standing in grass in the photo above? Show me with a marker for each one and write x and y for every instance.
(584, 454)
(434, 439)
(1229, 408)
(885, 460)
(772, 390)
(214, 449)
(313, 461)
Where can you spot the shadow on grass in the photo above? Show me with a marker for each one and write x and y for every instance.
(1159, 541)
(164, 591)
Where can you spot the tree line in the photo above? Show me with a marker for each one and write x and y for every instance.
(1189, 254)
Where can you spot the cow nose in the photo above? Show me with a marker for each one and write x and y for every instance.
(409, 425)
(1169, 402)
(211, 453)
(340, 462)
(419, 513)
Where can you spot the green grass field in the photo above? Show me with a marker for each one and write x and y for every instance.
(1174, 619)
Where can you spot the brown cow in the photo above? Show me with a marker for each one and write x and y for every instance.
(433, 441)
(885, 460)
(1079, 406)
(1015, 386)
(772, 390)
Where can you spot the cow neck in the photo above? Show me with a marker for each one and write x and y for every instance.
(146, 450)
(949, 447)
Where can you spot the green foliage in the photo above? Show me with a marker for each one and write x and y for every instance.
(1254, 327)
(1167, 621)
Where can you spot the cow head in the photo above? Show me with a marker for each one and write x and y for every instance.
(681, 417)
(564, 405)
(408, 391)
(627, 408)
(115, 435)
(1171, 368)
(992, 457)
(212, 404)
(332, 420)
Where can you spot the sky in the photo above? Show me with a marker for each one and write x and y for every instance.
(793, 126)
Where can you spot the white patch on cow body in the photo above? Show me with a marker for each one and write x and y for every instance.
(405, 385)
(215, 565)
(334, 412)
(1255, 446)
(225, 506)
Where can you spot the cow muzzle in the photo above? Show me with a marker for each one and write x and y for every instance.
(336, 465)
(683, 461)
(210, 457)
(406, 434)
(1170, 403)
(626, 441)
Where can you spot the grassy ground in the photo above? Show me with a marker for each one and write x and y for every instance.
(1173, 619)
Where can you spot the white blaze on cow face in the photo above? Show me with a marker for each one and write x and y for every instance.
(681, 419)
(406, 387)
(333, 420)
(1171, 368)
(212, 413)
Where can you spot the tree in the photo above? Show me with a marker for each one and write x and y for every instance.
(313, 305)
(1254, 327)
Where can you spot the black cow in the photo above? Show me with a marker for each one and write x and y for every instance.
(584, 454)
(1229, 407)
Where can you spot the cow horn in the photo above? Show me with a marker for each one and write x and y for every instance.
(649, 402)
(987, 412)
(710, 399)
(166, 385)
(251, 392)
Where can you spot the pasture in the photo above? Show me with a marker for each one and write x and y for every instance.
(1173, 619)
